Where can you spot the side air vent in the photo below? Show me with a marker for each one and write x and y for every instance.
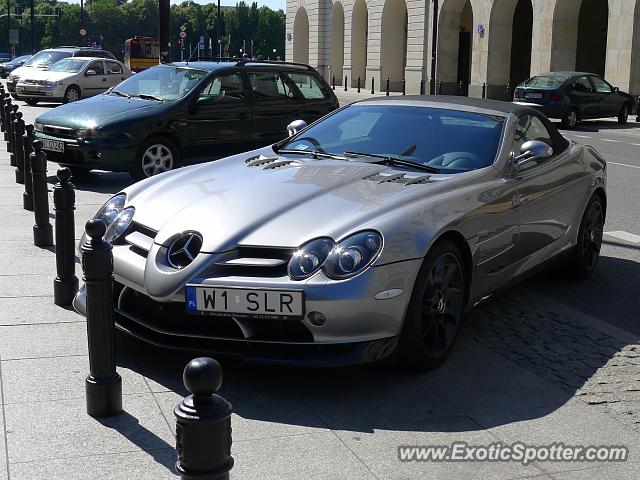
(400, 178)
(269, 163)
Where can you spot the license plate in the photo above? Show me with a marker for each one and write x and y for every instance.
(245, 302)
(52, 145)
(532, 95)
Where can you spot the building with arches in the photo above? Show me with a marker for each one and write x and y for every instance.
(494, 42)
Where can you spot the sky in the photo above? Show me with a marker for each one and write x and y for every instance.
(274, 4)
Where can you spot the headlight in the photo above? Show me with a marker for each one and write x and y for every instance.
(38, 127)
(12, 78)
(48, 83)
(353, 254)
(309, 258)
(119, 225)
(90, 133)
(110, 210)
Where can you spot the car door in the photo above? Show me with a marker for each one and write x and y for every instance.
(609, 102)
(583, 96)
(273, 106)
(548, 190)
(115, 73)
(95, 79)
(219, 119)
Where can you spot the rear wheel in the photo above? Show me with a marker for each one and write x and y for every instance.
(72, 94)
(584, 257)
(434, 315)
(623, 114)
(156, 155)
(570, 118)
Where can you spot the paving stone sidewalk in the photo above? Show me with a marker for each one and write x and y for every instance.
(522, 370)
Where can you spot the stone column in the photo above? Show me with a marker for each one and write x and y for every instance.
(620, 70)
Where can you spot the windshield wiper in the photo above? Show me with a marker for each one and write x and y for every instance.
(311, 153)
(146, 96)
(389, 160)
(121, 94)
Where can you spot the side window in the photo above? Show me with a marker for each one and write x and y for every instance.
(582, 84)
(113, 68)
(97, 67)
(528, 128)
(307, 84)
(601, 85)
(225, 88)
(267, 86)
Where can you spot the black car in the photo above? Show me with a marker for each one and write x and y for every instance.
(167, 115)
(574, 96)
(10, 65)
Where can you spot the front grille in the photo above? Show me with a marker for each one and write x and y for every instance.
(254, 262)
(61, 132)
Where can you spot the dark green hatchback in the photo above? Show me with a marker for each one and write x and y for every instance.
(179, 113)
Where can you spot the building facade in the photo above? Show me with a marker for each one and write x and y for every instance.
(494, 42)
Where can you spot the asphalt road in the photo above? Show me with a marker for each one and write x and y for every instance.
(613, 293)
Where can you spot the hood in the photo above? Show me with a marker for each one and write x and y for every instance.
(274, 201)
(35, 74)
(98, 111)
(24, 70)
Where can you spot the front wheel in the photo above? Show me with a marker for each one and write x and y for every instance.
(156, 155)
(623, 114)
(436, 308)
(72, 94)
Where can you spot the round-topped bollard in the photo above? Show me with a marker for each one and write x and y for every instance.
(65, 285)
(29, 137)
(203, 424)
(103, 384)
(18, 153)
(42, 231)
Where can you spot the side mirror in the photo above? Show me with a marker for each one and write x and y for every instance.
(616, 89)
(204, 101)
(89, 73)
(295, 126)
(532, 151)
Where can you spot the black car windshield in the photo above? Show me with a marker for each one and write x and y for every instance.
(450, 141)
(46, 57)
(546, 82)
(70, 65)
(164, 82)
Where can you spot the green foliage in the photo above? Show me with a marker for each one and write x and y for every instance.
(111, 22)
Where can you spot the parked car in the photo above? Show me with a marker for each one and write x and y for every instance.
(45, 58)
(167, 115)
(574, 96)
(71, 79)
(364, 236)
(10, 65)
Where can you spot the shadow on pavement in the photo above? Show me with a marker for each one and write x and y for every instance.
(96, 181)
(602, 125)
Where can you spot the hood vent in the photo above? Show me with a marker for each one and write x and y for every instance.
(270, 163)
(399, 178)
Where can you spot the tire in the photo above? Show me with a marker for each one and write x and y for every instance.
(435, 311)
(155, 155)
(31, 102)
(570, 118)
(623, 114)
(583, 258)
(71, 94)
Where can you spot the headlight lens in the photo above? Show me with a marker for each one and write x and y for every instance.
(353, 254)
(37, 127)
(12, 78)
(119, 225)
(49, 83)
(110, 210)
(90, 133)
(309, 258)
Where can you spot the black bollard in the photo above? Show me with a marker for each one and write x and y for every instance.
(638, 110)
(345, 83)
(14, 125)
(19, 154)
(404, 86)
(387, 86)
(509, 92)
(65, 285)
(422, 87)
(27, 197)
(103, 385)
(3, 100)
(333, 81)
(460, 88)
(439, 87)
(42, 232)
(372, 85)
(484, 90)
(10, 119)
(203, 424)
(7, 114)
(358, 83)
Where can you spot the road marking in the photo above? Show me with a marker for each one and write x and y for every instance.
(626, 236)
(623, 165)
(582, 136)
(609, 140)
(635, 144)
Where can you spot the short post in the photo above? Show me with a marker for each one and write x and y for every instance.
(7, 111)
(345, 83)
(15, 116)
(508, 92)
(333, 81)
(387, 86)
(404, 86)
(422, 87)
(65, 285)
(358, 83)
(10, 119)
(3, 100)
(27, 197)
(440, 87)
(373, 90)
(42, 231)
(638, 110)
(103, 385)
(484, 90)
(19, 148)
(203, 424)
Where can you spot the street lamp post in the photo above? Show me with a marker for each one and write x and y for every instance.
(218, 31)
(33, 37)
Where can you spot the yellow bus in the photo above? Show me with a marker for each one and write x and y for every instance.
(141, 53)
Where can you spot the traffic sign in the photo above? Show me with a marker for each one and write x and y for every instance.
(83, 32)
(183, 34)
(183, 28)
(201, 43)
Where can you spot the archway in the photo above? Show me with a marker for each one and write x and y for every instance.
(580, 35)
(393, 48)
(455, 45)
(301, 36)
(359, 39)
(521, 36)
(337, 41)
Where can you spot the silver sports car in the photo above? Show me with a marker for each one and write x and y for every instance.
(365, 235)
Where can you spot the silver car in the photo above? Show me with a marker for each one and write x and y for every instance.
(71, 79)
(363, 236)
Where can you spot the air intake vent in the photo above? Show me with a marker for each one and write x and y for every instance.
(399, 178)
(270, 163)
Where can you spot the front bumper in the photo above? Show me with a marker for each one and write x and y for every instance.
(44, 92)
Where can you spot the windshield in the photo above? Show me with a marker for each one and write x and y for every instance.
(45, 58)
(68, 65)
(546, 82)
(450, 141)
(164, 82)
